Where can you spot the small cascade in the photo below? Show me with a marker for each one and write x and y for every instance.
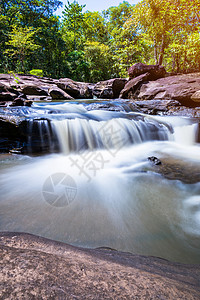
(40, 137)
(80, 134)
(186, 135)
(74, 127)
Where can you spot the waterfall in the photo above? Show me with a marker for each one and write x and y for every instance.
(81, 134)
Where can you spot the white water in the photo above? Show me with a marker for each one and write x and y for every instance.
(116, 199)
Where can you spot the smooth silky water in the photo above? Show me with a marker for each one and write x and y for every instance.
(100, 190)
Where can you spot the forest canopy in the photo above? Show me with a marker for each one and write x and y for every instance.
(94, 46)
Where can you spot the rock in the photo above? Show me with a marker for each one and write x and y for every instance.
(7, 96)
(38, 98)
(157, 107)
(35, 267)
(17, 102)
(77, 90)
(154, 160)
(34, 90)
(109, 89)
(7, 93)
(131, 86)
(174, 168)
(180, 88)
(196, 96)
(57, 93)
(155, 71)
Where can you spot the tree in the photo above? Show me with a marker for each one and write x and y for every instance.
(73, 20)
(21, 44)
(95, 27)
(78, 67)
(99, 59)
(165, 25)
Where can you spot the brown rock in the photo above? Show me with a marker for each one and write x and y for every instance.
(155, 71)
(109, 89)
(57, 93)
(180, 88)
(132, 85)
(34, 267)
(34, 90)
(196, 96)
(75, 89)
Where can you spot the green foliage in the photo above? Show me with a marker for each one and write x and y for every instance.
(21, 43)
(169, 26)
(95, 27)
(73, 20)
(77, 66)
(37, 72)
(16, 78)
(99, 59)
(94, 46)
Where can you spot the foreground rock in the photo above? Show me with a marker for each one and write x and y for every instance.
(34, 267)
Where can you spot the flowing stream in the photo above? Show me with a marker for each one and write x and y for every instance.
(117, 179)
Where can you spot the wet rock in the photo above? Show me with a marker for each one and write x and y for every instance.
(35, 267)
(7, 93)
(17, 102)
(154, 160)
(155, 71)
(58, 94)
(109, 89)
(158, 107)
(174, 168)
(28, 135)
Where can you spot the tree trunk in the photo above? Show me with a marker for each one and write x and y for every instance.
(155, 52)
(162, 50)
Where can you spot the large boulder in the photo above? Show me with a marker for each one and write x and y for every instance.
(109, 89)
(77, 90)
(155, 71)
(132, 85)
(181, 88)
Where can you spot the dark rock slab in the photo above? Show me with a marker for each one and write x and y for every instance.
(155, 71)
(34, 267)
(109, 89)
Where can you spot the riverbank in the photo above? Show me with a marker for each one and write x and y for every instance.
(169, 95)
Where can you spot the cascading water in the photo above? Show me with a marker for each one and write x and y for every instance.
(81, 134)
(102, 190)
